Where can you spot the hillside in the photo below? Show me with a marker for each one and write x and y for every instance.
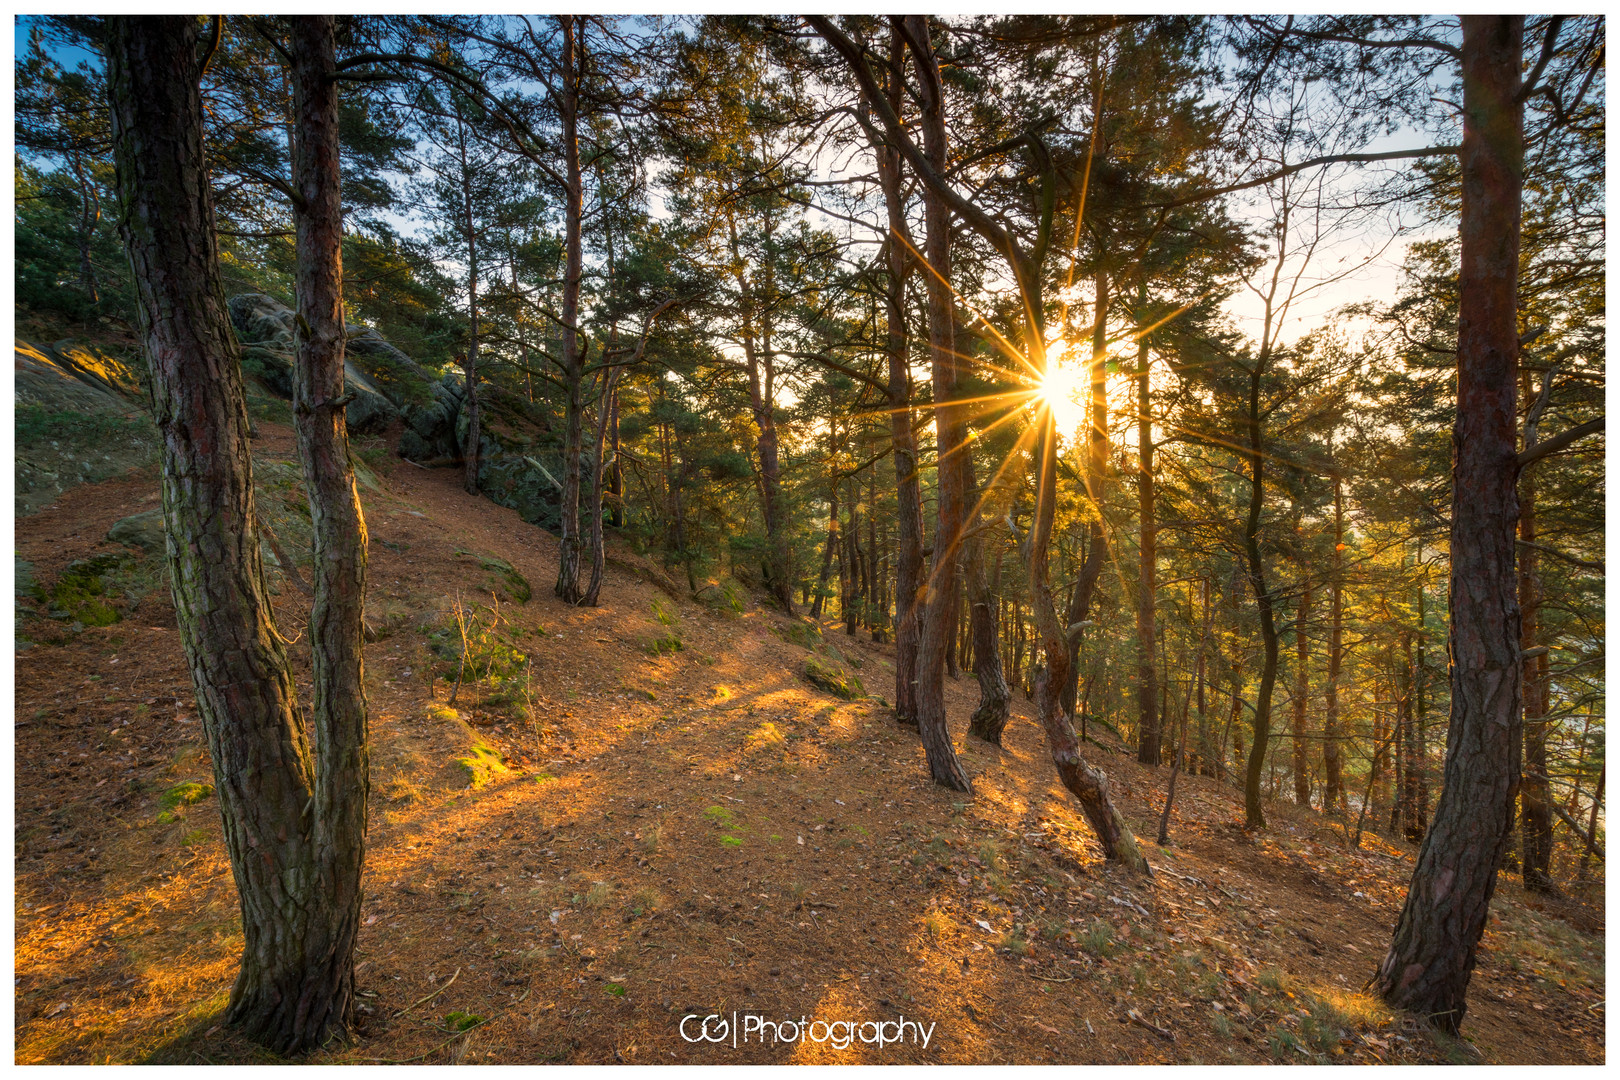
(659, 816)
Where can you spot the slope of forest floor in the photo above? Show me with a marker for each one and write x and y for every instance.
(666, 820)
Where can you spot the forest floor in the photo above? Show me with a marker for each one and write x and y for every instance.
(692, 832)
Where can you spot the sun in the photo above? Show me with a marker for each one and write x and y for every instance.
(1063, 391)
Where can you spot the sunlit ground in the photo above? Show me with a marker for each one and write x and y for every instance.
(702, 830)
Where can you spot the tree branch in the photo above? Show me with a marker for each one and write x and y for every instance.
(1559, 442)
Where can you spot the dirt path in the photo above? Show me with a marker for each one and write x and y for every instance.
(694, 833)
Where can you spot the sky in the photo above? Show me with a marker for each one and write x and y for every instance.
(1365, 259)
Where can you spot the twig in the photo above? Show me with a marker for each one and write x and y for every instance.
(1136, 1018)
(429, 997)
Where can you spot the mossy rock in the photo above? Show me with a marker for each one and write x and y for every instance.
(482, 764)
(145, 531)
(517, 586)
(834, 680)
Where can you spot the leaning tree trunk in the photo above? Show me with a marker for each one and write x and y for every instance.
(336, 623)
(1432, 954)
(937, 615)
(1095, 476)
(1089, 786)
(290, 992)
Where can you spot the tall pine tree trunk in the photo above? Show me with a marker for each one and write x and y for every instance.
(571, 548)
(1147, 690)
(937, 618)
(1253, 811)
(336, 624)
(471, 448)
(1432, 954)
(1095, 476)
(1088, 785)
(292, 989)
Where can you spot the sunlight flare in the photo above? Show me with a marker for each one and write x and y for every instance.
(1063, 390)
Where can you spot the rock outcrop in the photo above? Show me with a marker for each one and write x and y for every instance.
(265, 328)
(519, 455)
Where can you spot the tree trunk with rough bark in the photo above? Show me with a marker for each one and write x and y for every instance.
(336, 624)
(571, 548)
(1095, 477)
(1432, 954)
(1253, 811)
(293, 988)
(1089, 786)
(937, 616)
(471, 448)
(990, 718)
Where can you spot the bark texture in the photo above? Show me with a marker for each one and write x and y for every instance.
(1302, 692)
(990, 718)
(1089, 786)
(336, 624)
(291, 992)
(1432, 954)
(573, 358)
(937, 626)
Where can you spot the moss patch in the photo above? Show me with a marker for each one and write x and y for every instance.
(517, 586)
(80, 593)
(482, 764)
(834, 680)
(187, 794)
